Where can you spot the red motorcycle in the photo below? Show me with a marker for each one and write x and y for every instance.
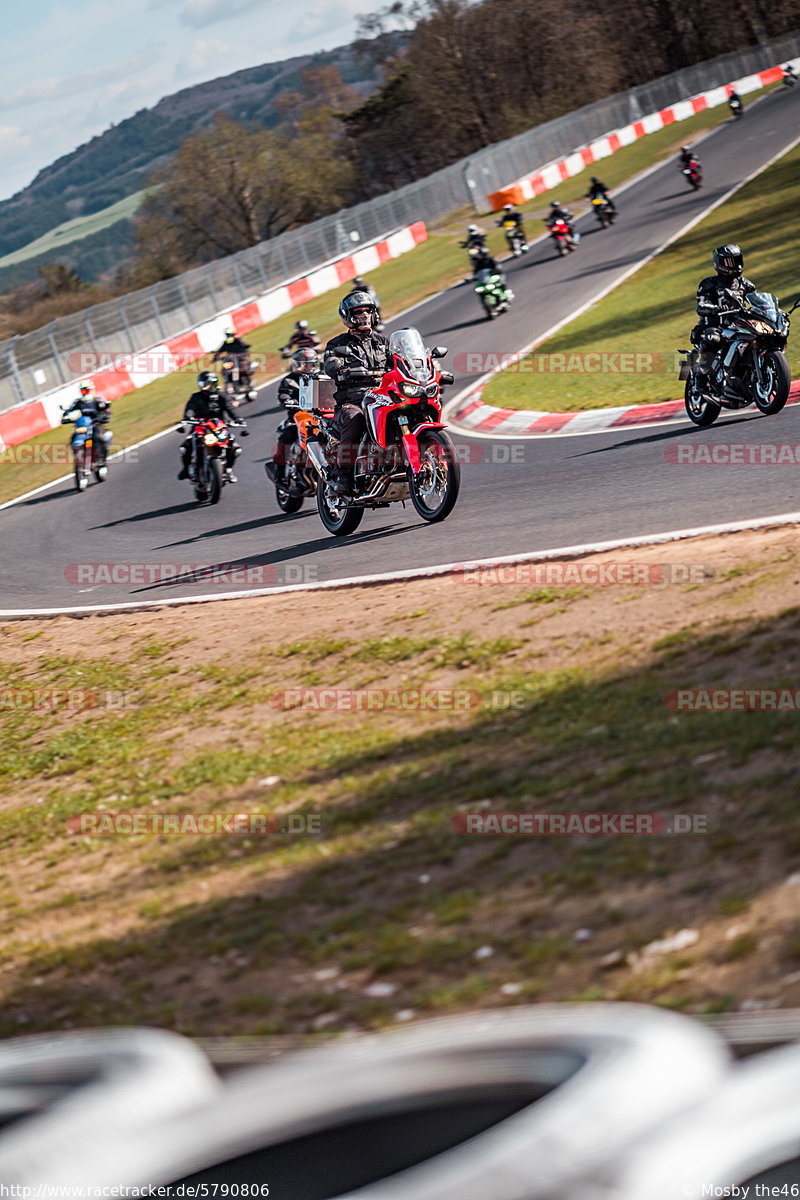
(693, 173)
(564, 237)
(405, 454)
(207, 474)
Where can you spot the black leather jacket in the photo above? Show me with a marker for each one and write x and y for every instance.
(201, 405)
(715, 294)
(370, 351)
(234, 346)
(97, 408)
(289, 391)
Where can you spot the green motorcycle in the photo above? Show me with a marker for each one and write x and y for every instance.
(494, 295)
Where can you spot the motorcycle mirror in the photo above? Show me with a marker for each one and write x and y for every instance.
(438, 351)
(794, 306)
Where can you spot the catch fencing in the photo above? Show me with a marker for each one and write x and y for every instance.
(34, 363)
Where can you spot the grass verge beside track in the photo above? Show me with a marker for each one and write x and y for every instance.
(388, 912)
(651, 315)
(435, 265)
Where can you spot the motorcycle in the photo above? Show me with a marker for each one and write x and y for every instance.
(736, 107)
(405, 454)
(603, 210)
(750, 366)
(299, 480)
(305, 341)
(89, 452)
(693, 173)
(566, 239)
(494, 295)
(789, 79)
(210, 440)
(237, 377)
(516, 242)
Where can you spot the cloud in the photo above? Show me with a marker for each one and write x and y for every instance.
(205, 59)
(198, 13)
(328, 15)
(12, 138)
(72, 86)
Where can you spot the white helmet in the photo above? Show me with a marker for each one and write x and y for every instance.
(472, 229)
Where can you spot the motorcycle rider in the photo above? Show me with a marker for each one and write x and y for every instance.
(209, 401)
(789, 76)
(89, 404)
(305, 361)
(557, 213)
(482, 260)
(360, 286)
(475, 238)
(734, 100)
(716, 293)
(232, 347)
(302, 337)
(361, 346)
(599, 189)
(510, 214)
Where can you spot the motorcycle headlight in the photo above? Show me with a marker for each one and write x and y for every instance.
(210, 439)
(431, 389)
(761, 326)
(411, 390)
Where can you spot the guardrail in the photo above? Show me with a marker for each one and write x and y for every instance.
(35, 363)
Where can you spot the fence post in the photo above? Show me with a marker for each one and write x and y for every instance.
(16, 379)
(54, 349)
(238, 277)
(157, 313)
(123, 316)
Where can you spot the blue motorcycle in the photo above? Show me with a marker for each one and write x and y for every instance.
(89, 445)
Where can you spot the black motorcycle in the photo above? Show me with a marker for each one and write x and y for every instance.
(749, 367)
(736, 106)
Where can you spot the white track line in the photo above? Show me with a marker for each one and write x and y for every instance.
(578, 312)
(453, 568)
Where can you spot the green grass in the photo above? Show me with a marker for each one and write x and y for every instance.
(56, 240)
(652, 313)
(436, 264)
(388, 888)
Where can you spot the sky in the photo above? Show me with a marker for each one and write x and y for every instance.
(73, 69)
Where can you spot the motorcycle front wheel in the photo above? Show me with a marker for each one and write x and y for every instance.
(701, 412)
(286, 503)
(777, 381)
(435, 487)
(338, 517)
(81, 470)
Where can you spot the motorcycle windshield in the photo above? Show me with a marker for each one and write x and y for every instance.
(764, 305)
(408, 346)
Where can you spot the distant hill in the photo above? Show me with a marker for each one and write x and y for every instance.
(118, 162)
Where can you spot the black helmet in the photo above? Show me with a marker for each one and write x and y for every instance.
(206, 380)
(595, 179)
(351, 310)
(301, 325)
(728, 260)
(305, 361)
(358, 282)
(554, 204)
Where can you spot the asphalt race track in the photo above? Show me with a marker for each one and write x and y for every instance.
(517, 495)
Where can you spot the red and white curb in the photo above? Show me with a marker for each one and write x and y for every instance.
(456, 569)
(120, 374)
(476, 417)
(554, 173)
